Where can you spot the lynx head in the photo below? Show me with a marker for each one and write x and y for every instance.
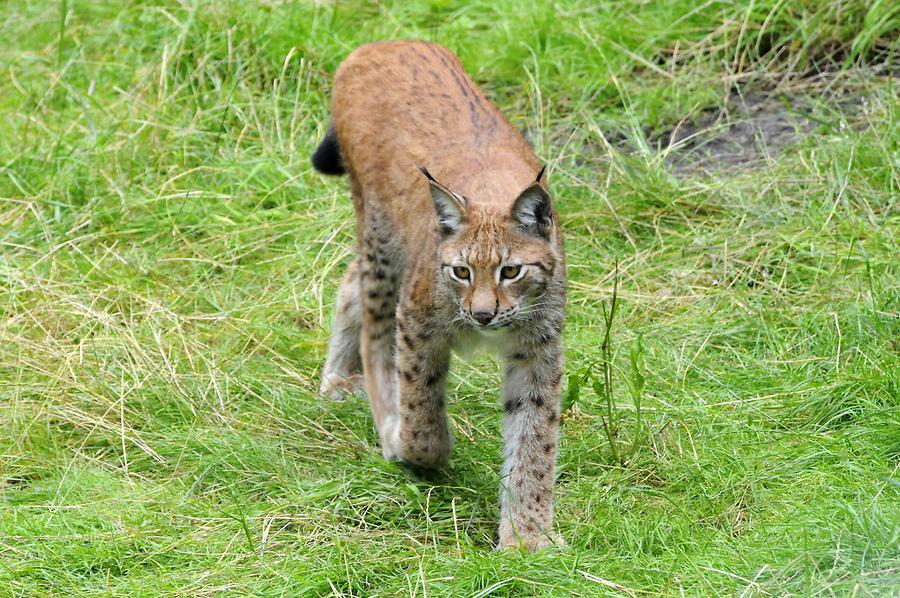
(497, 264)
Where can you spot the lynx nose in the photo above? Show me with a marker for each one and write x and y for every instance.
(484, 317)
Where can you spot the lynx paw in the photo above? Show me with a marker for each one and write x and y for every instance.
(390, 439)
(337, 387)
(529, 538)
(432, 453)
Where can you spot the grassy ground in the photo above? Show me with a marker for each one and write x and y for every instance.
(168, 262)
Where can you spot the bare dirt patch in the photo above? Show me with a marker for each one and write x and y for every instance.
(744, 132)
(751, 129)
(747, 131)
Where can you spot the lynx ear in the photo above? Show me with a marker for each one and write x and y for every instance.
(533, 211)
(449, 206)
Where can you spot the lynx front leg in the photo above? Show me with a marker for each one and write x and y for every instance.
(531, 401)
(422, 436)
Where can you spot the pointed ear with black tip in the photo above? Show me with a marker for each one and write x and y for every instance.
(449, 207)
(533, 211)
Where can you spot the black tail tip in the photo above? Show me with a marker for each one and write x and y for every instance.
(327, 157)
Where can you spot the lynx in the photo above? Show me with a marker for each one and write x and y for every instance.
(458, 244)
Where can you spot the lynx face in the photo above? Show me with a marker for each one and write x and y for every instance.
(495, 266)
(495, 272)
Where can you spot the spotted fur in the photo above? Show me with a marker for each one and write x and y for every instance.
(458, 242)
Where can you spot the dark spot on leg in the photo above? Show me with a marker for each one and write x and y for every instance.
(380, 274)
(548, 447)
(543, 339)
(538, 401)
(518, 356)
(408, 376)
(556, 378)
(406, 340)
(432, 379)
(512, 405)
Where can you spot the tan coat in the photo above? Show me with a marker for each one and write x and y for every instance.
(458, 243)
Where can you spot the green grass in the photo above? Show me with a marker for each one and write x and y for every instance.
(168, 263)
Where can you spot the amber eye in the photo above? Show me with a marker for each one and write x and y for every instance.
(509, 272)
(461, 272)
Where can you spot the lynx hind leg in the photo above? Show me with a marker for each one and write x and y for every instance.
(380, 275)
(342, 374)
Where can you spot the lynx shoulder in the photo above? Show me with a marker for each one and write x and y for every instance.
(457, 240)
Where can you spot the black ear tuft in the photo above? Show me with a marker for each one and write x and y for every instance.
(540, 174)
(427, 174)
(449, 207)
(533, 210)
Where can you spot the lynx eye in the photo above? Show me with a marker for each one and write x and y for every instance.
(509, 272)
(461, 272)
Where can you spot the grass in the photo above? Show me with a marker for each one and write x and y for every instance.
(168, 263)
